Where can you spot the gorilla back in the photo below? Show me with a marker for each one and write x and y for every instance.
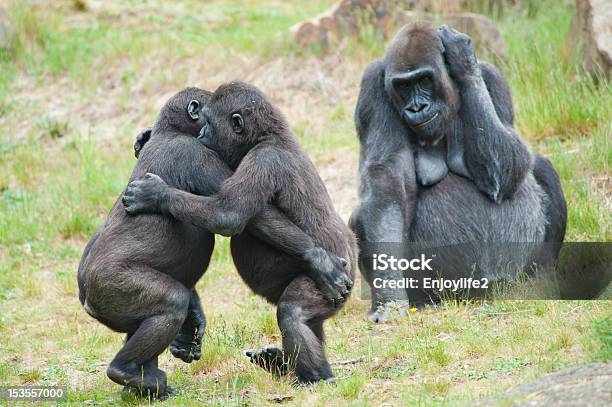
(171, 247)
(136, 273)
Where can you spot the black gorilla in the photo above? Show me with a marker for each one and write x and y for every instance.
(429, 106)
(253, 138)
(137, 273)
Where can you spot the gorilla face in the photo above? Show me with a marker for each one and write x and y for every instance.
(221, 133)
(418, 83)
(236, 118)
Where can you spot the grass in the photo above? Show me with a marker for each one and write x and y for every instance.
(78, 85)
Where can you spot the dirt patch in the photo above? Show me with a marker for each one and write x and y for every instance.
(340, 177)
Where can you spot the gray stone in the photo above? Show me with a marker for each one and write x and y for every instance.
(589, 385)
(485, 35)
(344, 18)
(591, 34)
(386, 17)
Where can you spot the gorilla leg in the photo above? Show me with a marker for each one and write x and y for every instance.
(187, 345)
(555, 211)
(81, 272)
(150, 365)
(488, 234)
(384, 214)
(300, 308)
(300, 313)
(151, 307)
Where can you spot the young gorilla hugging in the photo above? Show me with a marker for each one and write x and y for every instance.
(253, 137)
(137, 274)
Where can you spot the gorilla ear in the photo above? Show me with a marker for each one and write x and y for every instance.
(193, 110)
(237, 123)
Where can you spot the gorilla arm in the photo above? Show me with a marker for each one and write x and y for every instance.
(495, 157)
(386, 163)
(241, 197)
(387, 189)
(233, 209)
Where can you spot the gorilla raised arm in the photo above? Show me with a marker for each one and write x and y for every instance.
(439, 90)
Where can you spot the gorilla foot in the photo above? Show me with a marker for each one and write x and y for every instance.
(395, 310)
(391, 310)
(145, 383)
(270, 359)
(388, 312)
(187, 347)
(133, 392)
(312, 376)
(378, 316)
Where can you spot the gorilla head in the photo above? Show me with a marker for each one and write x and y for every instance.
(237, 117)
(418, 83)
(183, 112)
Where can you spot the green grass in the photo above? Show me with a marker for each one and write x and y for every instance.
(552, 96)
(77, 87)
(603, 339)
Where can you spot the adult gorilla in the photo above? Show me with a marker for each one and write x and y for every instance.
(429, 97)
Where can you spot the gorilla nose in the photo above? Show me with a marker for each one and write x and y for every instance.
(415, 112)
(417, 107)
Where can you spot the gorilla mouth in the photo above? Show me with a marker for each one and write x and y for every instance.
(431, 119)
(203, 136)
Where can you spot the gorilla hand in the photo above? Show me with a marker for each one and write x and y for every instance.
(329, 273)
(459, 54)
(141, 140)
(146, 195)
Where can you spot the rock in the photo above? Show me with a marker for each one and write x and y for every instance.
(591, 34)
(436, 6)
(345, 18)
(589, 385)
(6, 31)
(310, 33)
(460, 6)
(485, 35)
(386, 18)
(80, 5)
(410, 17)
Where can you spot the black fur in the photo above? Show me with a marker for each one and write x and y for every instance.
(253, 137)
(490, 195)
(137, 274)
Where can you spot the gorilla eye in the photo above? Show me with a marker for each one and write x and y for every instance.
(237, 123)
(193, 110)
(426, 82)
